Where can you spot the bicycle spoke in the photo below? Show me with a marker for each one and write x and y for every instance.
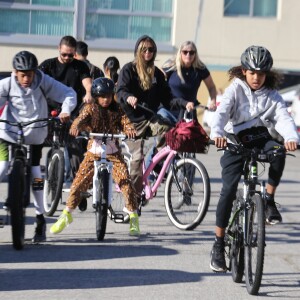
(187, 203)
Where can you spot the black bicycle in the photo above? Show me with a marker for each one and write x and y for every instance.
(55, 167)
(245, 235)
(19, 181)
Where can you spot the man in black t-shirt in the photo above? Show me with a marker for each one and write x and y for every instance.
(81, 54)
(70, 71)
(76, 74)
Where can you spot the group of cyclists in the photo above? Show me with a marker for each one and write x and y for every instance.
(251, 112)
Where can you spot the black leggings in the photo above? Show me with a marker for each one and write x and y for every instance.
(232, 168)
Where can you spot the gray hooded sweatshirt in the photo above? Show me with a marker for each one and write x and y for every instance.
(242, 108)
(22, 105)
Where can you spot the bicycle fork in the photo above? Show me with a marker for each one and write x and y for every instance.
(99, 166)
(248, 205)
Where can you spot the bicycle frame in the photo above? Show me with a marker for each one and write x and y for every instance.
(250, 182)
(167, 152)
(249, 189)
(100, 165)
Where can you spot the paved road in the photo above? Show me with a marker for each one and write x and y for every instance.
(164, 263)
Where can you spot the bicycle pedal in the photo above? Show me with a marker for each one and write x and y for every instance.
(145, 202)
(85, 194)
(38, 184)
(118, 218)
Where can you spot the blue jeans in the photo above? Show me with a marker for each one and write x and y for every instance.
(166, 114)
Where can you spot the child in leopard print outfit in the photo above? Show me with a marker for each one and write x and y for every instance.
(104, 116)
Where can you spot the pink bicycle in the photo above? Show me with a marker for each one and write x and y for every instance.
(187, 189)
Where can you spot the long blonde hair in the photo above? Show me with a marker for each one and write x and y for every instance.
(177, 64)
(145, 70)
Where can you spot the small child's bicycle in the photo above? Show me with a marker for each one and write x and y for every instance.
(102, 183)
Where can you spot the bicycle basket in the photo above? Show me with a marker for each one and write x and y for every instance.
(188, 137)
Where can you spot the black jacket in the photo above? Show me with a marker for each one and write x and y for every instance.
(129, 85)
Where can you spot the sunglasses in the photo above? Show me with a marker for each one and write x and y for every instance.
(186, 52)
(149, 49)
(70, 55)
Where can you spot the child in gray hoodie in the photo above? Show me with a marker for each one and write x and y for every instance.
(24, 96)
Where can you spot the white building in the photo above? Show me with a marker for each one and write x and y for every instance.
(221, 29)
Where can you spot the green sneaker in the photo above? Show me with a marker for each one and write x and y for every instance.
(134, 228)
(63, 221)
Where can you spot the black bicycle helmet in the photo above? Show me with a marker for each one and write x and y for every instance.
(25, 61)
(257, 58)
(102, 86)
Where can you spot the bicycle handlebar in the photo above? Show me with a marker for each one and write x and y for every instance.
(212, 142)
(24, 124)
(103, 135)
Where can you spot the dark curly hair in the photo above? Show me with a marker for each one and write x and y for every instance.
(273, 78)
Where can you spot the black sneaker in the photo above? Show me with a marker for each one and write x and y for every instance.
(83, 204)
(40, 233)
(6, 205)
(272, 214)
(217, 258)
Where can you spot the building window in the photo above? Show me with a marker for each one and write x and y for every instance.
(25, 21)
(124, 19)
(37, 17)
(250, 8)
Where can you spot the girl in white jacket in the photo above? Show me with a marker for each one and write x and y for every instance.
(25, 96)
(250, 106)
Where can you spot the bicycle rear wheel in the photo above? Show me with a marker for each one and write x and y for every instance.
(54, 181)
(115, 211)
(102, 204)
(237, 253)
(255, 245)
(187, 202)
(16, 189)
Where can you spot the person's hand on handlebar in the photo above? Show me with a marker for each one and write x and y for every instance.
(64, 117)
(131, 133)
(74, 131)
(132, 101)
(189, 106)
(220, 142)
(212, 106)
(290, 146)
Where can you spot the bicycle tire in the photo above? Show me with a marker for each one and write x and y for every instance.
(102, 204)
(237, 253)
(53, 182)
(16, 189)
(255, 245)
(117, 204)
(187, 211)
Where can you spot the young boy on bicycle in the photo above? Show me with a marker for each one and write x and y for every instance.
(254, 113)
(25, 95)
(104, 116)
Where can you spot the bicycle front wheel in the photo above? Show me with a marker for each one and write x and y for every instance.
(102, 204)
(237, 253)
(54, 182)
(187, 193)
(255, 245)
(16, 189)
